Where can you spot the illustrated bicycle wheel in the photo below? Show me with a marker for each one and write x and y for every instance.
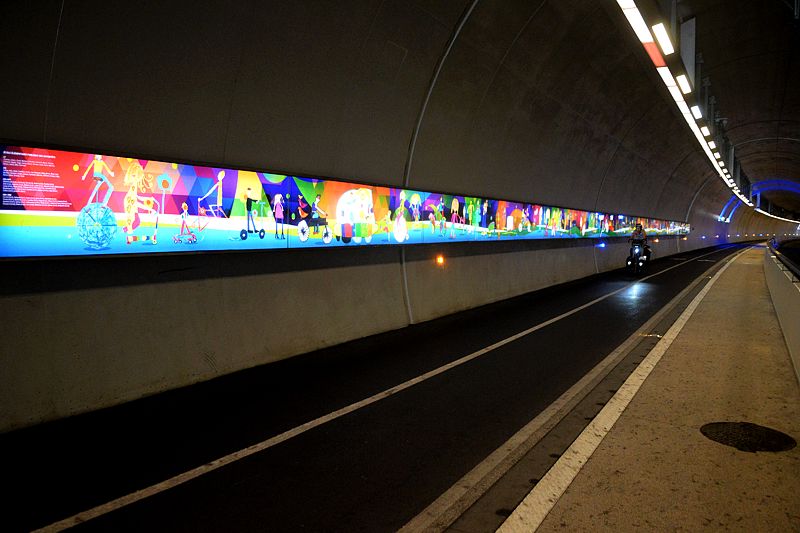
(327, 235)
(97, 225)
(302, 230)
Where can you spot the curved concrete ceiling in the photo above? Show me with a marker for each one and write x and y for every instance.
(751, 54)
(552, 101)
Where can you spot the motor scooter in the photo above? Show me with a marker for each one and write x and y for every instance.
(637, 260)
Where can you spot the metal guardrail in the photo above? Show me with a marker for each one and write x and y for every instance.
(790, 265)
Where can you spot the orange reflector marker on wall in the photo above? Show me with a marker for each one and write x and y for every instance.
(440, 260)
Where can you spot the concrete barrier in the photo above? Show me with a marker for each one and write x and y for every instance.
(784, 289)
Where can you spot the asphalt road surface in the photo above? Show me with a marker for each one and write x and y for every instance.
(372, 469)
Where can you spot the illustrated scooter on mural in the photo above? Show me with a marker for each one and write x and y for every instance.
(96, 222)
(249, 203)
(186, 235)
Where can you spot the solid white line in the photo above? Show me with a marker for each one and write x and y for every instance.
(443, 511)
(261, 446)
(530, 514)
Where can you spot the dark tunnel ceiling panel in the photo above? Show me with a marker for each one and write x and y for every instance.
(520, 97)
(750, 52)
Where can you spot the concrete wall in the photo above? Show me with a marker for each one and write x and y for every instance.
(784, 288)
(499, 100)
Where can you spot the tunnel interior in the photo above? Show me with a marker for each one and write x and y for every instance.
(544, 102)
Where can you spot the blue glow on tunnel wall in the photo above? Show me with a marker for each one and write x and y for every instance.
(63, 203)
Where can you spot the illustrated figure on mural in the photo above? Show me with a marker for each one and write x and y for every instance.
(414, 204)
(250, 201)
(215, 210)
(437, 217)
(136, 203)
(476, 217)
(455, 218)
(97, 166)
(501, 220)
(385, 225)
(525, 223)
(317, 213)
(278, 209)
(186, 234)
(312, 217)
(400, 227)
(485, 217)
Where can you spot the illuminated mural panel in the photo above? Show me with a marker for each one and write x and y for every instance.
(60, 203)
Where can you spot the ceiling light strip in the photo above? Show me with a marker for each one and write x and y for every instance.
(691, 115)
(779, 218)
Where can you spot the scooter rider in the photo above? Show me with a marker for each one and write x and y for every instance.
(639, 236)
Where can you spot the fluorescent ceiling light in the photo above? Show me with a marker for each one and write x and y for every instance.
(637, 23)
(779, 218)
(663, 38)
(666, 75)
(677, 88)
(684, 84)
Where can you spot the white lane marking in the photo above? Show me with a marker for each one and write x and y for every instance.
(706, 261)
(180, 479)
(445, 510)
(530, 514)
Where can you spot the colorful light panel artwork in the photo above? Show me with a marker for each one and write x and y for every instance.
(62, 203)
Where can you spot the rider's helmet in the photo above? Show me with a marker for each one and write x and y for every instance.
(638, 227)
